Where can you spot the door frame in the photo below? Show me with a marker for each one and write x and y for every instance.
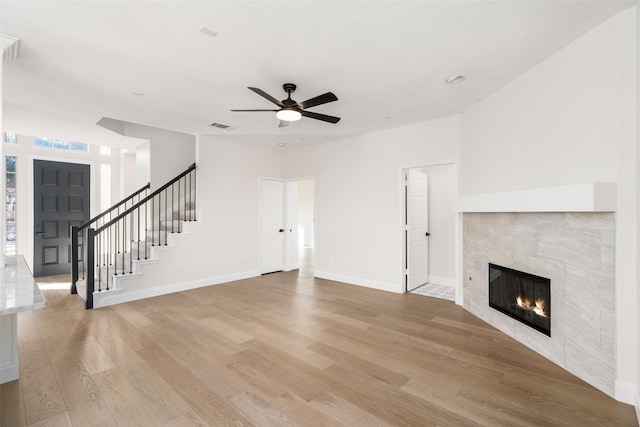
(457, 224)
(295, 246)
(30, 205)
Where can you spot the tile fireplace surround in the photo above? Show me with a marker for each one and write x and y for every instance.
(576, 250)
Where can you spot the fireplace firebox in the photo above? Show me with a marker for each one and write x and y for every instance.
(523, 296)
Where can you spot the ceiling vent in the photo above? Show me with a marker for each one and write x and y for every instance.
(219, 125)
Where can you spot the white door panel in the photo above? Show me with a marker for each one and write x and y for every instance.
(272, 225)
(417, 229)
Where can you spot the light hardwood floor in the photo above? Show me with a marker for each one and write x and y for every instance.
(286, 349)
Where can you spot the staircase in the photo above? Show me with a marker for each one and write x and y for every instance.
(121, 240)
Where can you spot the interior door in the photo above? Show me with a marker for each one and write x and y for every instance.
(417, 226)
(272, 225)
(60, 199)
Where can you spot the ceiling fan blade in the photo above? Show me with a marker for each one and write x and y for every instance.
(283, 124)
(318, 100)
(267, 96)
(318, 116)
(255, 110)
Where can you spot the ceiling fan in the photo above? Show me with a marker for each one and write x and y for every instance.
(290, 110)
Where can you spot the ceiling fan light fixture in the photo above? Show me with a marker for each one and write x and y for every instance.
(289, 115)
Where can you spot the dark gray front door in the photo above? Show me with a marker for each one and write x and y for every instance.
(61, 199)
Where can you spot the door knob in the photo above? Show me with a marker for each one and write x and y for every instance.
(427, 234)
(281, 230)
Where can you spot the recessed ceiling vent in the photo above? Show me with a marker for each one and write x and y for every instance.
(219, 125)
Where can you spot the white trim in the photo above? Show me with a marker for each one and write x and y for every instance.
(627, 393)
(360, 281)
(9, 373)
(459, 279)
(589, 197)
(122, 297)
(637, 405)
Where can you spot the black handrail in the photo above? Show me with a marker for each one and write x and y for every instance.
(146, 199)
(114, 207)
(111, 247)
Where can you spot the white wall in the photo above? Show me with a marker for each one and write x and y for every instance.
(572, 119)
(170, 152)
(223, 245)
(443, 193)
(227, 182)
(305, 213)
(128, 171)
(358, 197)
(143, 165)
(562, 116)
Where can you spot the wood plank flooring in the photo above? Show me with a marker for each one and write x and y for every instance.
(286, 349)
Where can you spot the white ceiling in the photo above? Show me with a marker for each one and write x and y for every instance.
(387, 61)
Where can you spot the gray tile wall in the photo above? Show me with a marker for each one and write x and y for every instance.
(574, 250)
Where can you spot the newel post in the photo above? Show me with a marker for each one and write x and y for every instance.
(74, 258)
(90, 267)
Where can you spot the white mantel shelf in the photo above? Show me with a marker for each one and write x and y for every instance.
(589, 197)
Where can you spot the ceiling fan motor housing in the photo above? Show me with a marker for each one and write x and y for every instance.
(289, 87)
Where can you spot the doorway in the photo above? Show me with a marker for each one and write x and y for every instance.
(306, 226)
(429, 230)
(61, 199)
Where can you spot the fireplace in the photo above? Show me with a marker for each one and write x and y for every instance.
(523, 296)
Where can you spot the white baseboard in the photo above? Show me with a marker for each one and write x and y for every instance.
(637, 406)
(360, 281)
(444, 281)
(133, 295)
(626, 393)
(9, 373)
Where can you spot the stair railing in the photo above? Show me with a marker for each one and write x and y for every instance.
(112, 247)
(79, 233)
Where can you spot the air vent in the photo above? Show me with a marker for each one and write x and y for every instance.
(219, 125)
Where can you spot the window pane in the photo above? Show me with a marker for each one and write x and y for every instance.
(10, 138)
(10, 205)
(59, 144)
(42, 142)
(77, 146)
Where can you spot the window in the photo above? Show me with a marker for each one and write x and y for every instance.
(10, 205)
(10, 138)
(59, 144)
(105, 151)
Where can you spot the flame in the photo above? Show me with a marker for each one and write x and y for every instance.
(538, 308)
